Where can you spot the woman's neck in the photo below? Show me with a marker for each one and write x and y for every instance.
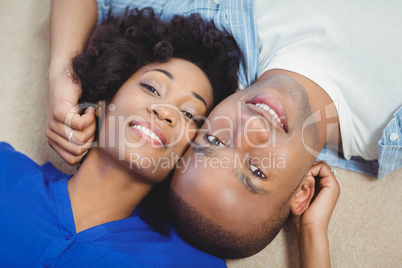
(103, 190)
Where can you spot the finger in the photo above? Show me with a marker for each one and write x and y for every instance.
(70, 116)
(81, 137)
(78, 137)
(89, 132)
(321, 169)
(327, 184)
(70, 147)
(327, 177)
(63, 112)
(65, 155)
(327, 197)
(82, 121)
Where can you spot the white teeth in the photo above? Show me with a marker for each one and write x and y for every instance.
(148, 132)
(270, 110)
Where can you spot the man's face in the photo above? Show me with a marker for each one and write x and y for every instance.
(249, 156)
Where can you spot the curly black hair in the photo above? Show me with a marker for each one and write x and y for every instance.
(121, 46)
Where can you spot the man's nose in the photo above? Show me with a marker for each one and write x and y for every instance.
(165, 113)
(254, 132)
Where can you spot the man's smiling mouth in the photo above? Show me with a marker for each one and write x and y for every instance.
(270, 110)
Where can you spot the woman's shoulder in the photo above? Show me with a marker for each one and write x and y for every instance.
(13, 161)
(4, 146)
(17, 167)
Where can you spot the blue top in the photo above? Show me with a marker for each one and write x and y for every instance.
(37, 227)
(238, 18)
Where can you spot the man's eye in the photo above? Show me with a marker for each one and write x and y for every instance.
(256, 171)
(150, 88)
(214, 141)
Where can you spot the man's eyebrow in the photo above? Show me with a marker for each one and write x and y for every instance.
(250, 186)
(207, 151)
(169, 75)
(197, 96)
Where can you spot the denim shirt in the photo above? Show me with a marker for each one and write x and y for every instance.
(237, 18)
(234, 16)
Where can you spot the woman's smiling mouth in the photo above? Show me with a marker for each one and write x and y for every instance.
(150, 133)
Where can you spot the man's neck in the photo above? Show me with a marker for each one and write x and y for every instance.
(103, 190)
(328, 123)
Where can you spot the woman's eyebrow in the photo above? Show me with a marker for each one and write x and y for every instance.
(169, 75)
(200, 98)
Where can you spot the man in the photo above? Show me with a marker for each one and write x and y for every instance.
(248, 167)
(340, 59)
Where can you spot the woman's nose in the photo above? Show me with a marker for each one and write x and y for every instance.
(165, 113)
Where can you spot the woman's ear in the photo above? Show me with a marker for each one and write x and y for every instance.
(302, 197)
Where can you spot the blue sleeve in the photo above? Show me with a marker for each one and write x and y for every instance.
(13, 163)
(6, 150)
(4, 147)
(108, 8)
(7, 154)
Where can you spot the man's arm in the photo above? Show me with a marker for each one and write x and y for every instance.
(312, 225)
(71, 23)
(313, 249)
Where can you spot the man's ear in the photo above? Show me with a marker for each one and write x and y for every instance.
(302, 197)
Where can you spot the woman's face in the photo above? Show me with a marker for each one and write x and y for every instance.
(155, 115)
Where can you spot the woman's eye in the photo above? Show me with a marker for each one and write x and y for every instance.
(193, 118)
(150, 88)
(256, 171)
(215, 141)
(190, 116)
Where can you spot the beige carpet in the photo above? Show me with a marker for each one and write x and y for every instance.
(366, 228)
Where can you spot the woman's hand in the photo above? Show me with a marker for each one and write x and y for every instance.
(64, 117)
(312, 225)
(71, 23)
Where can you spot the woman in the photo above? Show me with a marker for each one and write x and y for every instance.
(158, 81)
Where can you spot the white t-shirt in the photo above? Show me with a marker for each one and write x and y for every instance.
(351, 49)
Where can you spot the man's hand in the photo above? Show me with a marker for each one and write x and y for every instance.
(312, 225)
(318, 215)
(64, 117)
